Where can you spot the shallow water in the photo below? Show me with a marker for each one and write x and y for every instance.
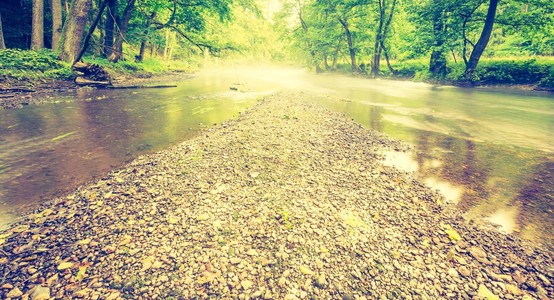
(490, 152)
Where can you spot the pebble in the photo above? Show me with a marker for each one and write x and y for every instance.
(464, 271)
(453, 273)
(288, 201)
(40, 293)
(14, 293)
(246, 284)
(513, 289)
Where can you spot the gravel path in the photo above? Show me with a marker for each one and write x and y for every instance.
(290, 201)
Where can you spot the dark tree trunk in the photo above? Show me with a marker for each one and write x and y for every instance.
(437, 63)
(109, 26)
(74, 30)
(376, 63)
(140, 57)
(90, 31)
(482, 42)
(2, 43)
(335, 60)
(380, 37)
(351, 48)
(37, 35)
(386, 52)
(121, 31)
(56, 9)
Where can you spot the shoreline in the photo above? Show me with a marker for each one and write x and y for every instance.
(288, 201)
(41, 92)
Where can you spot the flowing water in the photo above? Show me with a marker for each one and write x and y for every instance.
(490, 152)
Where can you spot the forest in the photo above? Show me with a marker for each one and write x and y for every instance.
(470, 41)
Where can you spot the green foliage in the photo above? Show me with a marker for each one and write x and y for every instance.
(148, 66)
(547, 81)
(505, 71)
(412, 68)
(28, 64)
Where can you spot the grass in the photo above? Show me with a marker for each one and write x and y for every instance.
(30, 65)
(147, 66)
(33, 65)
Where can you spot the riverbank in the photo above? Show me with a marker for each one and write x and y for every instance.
(289, 201)
(16, 94)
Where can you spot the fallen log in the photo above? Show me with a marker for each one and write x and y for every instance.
(91, 74)
(121, 87)
(82, 81)
(16, 89)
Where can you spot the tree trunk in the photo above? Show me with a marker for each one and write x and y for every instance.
(2, 43)
(376, 64)
(386, 52)
(37, 34)
(482, 42)
(351, 48)
(56, 8)
(121, 31)
(140, 57)
(380, 37)
(74, 30)
(335, 59)
(91, 31)
(109, 26)
(437, 62)
(166, 46)
(325, 61)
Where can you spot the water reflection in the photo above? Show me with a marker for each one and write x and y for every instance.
(53, 148)
(490, 154)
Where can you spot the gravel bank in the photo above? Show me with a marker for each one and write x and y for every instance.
(290, 201)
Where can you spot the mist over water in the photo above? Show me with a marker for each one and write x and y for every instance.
(490, 152)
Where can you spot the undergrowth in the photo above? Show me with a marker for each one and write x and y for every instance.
(533, 71)
(33, 65)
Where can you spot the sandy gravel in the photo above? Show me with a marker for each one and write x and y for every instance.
(290, 201)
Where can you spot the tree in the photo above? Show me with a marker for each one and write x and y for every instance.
(109, 26)
(381, 34)
(91, 31)
(56, 8)
(73, 30)
(37, 35)
(2, 43)
(140, 57)
(348, 14)
(437, 61)
(121, 31)
(483, 40)
(188, 19)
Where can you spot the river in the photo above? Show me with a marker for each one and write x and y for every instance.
(489, 151)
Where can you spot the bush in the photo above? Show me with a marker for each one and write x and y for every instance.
(28, 64)
(412, 69)
(456, 72)
(547, 82)
(511, 71)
